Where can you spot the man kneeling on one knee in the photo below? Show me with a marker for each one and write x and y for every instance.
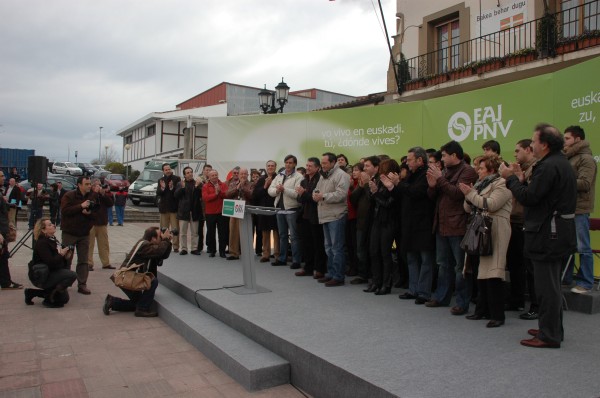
(155, 246)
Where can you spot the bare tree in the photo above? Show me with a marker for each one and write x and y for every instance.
(109, 155)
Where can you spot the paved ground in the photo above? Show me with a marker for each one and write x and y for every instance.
(77, 351)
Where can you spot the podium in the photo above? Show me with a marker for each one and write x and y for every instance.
(238, 209)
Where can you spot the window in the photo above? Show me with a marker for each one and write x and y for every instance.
(150, 131)
(129, 139)
(447, 45)
(576, 17)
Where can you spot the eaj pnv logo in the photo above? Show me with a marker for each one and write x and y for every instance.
(486, 123)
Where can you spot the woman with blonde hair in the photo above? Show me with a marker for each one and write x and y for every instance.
(48, 251)
(491, 188)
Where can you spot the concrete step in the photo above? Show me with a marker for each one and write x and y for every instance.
(588, 303)
(249, 363)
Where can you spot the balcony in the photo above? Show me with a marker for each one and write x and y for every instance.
(541, 42)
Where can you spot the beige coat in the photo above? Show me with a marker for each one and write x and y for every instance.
(499, 207)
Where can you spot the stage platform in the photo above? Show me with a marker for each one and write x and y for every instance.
(341, 342)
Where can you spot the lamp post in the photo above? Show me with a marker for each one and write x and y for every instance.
(281, 95)
(100, 147)
(106, 153)
(127, 148)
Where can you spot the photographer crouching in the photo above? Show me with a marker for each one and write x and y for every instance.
(55, 275)
(150, 251)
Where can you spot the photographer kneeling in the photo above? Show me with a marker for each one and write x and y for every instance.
(149, 251)
(56, 276)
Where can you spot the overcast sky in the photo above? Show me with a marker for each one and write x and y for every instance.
(70, 66)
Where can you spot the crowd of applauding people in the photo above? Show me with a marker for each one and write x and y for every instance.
(386, 223)
(392, 223)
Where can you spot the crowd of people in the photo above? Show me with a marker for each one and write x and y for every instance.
(384, 222)
(390, 223)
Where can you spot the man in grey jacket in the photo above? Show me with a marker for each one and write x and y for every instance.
(331, 196)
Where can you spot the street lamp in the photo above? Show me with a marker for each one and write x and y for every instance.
(100, 147)
(106, 153)
(281, 95)
(127, 148)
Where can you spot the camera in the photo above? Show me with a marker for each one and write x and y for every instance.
(93, 206)
(70, 247)
(174, 231)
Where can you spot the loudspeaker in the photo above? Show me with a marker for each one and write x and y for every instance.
(37, 168)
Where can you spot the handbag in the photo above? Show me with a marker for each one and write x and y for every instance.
(38, 274)
(128, 278)
(478, 238)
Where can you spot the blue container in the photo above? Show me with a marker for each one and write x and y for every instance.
(10, 158)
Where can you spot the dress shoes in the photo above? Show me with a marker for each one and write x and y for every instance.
(175, 250)
(196, 252)
(230, 258)
(183, 252)
(318, 275)
(529, 316)
(420, 300)
(222, 255)
(371, 289)
(211, 254)
(83, 290)
(494, 324)
(433, 303)
(383, 291)
(109, 267)
(334, 282)
(475, 317)
(324, 279)
(264, 260)
(537, 343)
(278, 263)
(533, 332)
(295, 266)
(407, 296)
(52, 304)
(456, 310)
(107, 304)
(29, 295)
(145, 313)
(303, 273)
(358, 281)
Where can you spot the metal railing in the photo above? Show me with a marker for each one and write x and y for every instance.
(537, 39)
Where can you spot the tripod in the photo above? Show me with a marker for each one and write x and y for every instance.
(20, 243)
(23, 240)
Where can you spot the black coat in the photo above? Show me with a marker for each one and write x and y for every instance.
(261, 197)
(168, 202)
(416, 213)
(188, 198)
(551, 192)
(46, 252)
(310, 207)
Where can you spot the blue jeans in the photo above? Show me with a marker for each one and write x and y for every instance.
(585, 275)
(120, 210)
(420, 271)
(285, 223)
(451, 259)
(334, 232)
(109, 213)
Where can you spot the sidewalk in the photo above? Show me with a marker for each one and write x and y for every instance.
(77, 351)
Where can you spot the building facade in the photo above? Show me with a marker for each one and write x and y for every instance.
(169, 134)
(446, 47)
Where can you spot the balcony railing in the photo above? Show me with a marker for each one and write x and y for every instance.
(553, 34)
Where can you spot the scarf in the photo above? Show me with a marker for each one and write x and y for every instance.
(482, 184)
